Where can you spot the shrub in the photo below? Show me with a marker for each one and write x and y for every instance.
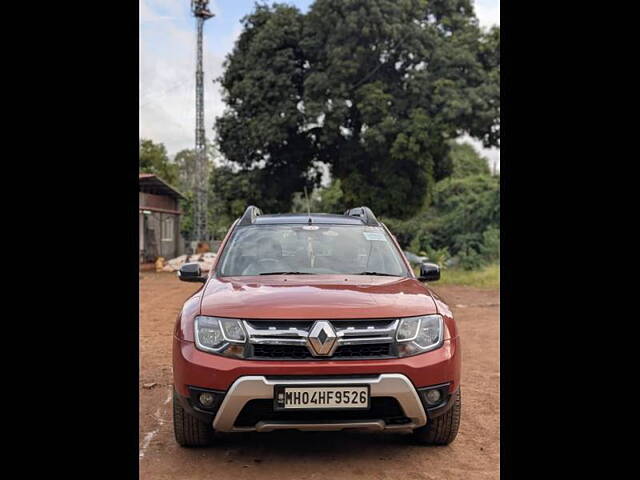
(462, 222)
(491, 243)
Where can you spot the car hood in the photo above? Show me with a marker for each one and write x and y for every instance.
(316, 296)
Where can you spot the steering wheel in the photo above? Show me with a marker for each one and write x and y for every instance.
(265, 262)
(265, 265)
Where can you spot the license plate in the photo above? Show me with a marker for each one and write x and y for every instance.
(321, 398)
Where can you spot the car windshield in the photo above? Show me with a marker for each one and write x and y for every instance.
(311, 249)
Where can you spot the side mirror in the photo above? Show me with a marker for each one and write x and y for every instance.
(429, 272)
(190, 272)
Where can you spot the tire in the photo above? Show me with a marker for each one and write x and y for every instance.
(441, 430)
(188, 430)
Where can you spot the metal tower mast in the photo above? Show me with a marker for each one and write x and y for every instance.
(201, 11)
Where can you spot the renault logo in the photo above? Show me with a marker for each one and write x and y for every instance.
(322, 340)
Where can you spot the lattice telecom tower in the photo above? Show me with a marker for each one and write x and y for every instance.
(201, 11)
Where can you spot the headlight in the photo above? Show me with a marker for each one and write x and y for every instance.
(232, 330)
(419, 334)
(224, 336)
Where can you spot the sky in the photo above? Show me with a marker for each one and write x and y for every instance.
(167, 65)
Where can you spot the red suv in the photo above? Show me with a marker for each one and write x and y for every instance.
(314, 322)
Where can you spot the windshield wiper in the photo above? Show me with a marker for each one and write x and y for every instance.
(377, 273)
(286, 273)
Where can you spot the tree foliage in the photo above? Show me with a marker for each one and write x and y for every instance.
(373, 88)
(327, 199)
(184, 164)
(153, 159)
(230, 192)
(466, 161)
(466, 207)
(263, 83)
(463, 219)
(185, 161)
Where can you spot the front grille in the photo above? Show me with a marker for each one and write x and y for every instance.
(382, 408)
(281, 351)
(289, 339)
(302, 352)
(371, 350)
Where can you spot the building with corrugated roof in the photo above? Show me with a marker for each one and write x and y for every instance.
(159, 219)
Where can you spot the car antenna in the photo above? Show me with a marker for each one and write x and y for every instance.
(308, 204)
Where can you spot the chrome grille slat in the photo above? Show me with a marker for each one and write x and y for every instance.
(348, 332)
(278, 341)
(368, 331)
(364, 341)
(290, 332)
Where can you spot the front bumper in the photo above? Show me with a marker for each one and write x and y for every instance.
(257, 387)
(194, 367)
(243, 381)
(229, 406)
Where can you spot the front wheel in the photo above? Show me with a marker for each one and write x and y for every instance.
(442, 430)
(188, 430)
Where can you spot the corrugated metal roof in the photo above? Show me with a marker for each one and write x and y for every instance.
(143, 208)
(151, 183)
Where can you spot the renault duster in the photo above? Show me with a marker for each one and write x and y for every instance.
(314, 322)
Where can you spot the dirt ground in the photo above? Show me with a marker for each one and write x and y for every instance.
(310, 455)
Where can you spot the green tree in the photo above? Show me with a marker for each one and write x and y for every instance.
(489, 56)
(185, 161)
(230, 192)
(327, 199)
(263, 84)
(466, 161)
(491, 243)
(463, 218)
(465, 208)
(373, 88)
(187, 226)
(331, 198)
(153, 159)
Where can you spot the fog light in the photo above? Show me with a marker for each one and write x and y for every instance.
(206, 399)
(433, 397)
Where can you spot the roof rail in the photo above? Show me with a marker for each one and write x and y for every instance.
(365, 214)
(249, 215)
